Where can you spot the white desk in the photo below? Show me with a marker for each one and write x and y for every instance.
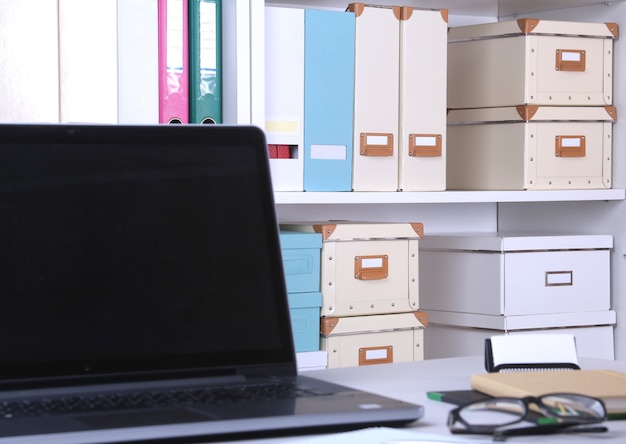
(410, 382)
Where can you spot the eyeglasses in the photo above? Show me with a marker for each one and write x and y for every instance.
(552, 413)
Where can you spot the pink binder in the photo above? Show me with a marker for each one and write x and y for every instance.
(173, 62)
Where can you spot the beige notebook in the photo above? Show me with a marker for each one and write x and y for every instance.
(608, 385)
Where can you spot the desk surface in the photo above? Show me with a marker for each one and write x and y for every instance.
(410, 381)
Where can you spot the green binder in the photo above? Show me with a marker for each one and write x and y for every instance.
(205, 61)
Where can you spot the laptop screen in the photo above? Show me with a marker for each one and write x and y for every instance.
(138, 249)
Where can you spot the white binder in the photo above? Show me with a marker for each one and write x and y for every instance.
(138, 95)
(284, 93)
(376, 84)
(423, 70)
(88, 61)
(29, 61)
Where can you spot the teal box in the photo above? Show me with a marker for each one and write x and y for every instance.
(301, 260)
(304, 309)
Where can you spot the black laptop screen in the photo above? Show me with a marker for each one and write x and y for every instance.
(137, 249)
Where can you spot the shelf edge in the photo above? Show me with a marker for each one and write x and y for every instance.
(409, 197)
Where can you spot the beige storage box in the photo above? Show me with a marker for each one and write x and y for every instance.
(369, 268)
(375, 339)
(530, 148)
(461, 334)
(529, 61)
(501, 274)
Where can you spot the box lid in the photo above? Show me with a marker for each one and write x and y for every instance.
(508, 242)
(305, 300)
(354, 230)
(373, 323)
(522, 322)
(346, 231)
(294, 239)
(533, 113)
(530, 26)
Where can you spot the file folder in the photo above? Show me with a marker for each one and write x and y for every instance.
(376, 85)
(88, 61)
(284, 94)
(138, 70)
(29, 61)
(173, 61)
(423, 72)
(328, 100)
(205, 61)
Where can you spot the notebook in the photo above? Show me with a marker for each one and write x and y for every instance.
(147, 259)
(608, 385)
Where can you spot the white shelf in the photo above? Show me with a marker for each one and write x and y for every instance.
(405, 197)
(480, 8)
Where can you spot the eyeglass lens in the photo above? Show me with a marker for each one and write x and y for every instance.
(573, 406)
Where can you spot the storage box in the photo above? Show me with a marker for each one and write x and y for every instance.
(451, 335)
(301, 260)
(530, 61)
(501, 274)
(530, 147)
(304, 309)
(375, 339)
(369, 268)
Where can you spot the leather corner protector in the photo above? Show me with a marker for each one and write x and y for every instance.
(527, 112)
(326, 230)
(613, 29)
(444, 14)
(527, 25)
(612, 112)
(327, 325)
(422, 317)
(357, 8)
(418, 227)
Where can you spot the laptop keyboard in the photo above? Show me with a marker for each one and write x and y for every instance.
(143, 399)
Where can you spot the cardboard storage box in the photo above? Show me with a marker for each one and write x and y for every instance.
(376, 339)
(530, 147)
(530, 61)
(460, 334)
(304, 309)
(301, 260)
(369, 268)
(502, 274)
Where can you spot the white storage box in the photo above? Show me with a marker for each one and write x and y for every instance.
(376, 339)
(530, 61)
(447, 341)
(369, 268)
(509, 275)
(530, 147)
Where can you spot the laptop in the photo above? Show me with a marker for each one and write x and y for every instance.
(143, 295)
